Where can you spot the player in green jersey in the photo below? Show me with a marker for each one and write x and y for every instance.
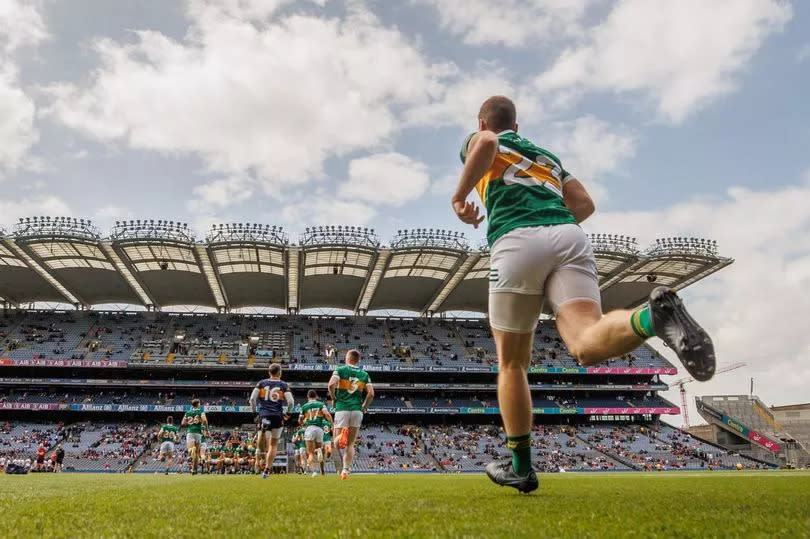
(327, 439)
(300, 446)
(196, 422)
(351, 392)
(204, 451)
(314, 413)
(539, 255)
(167, 436)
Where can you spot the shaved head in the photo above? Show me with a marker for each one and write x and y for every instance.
(498, 112)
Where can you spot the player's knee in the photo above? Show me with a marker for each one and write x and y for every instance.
(583, 355)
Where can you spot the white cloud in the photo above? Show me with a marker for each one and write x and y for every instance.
(386, 178)
(18, 132)
(221, 193)
(320, 209)
(239, 9)
(590, 148)
(679, 54)
(446, 185)
(757, 309)
(20, 26)
(270, 100)
(513, 23)
(12, 210)
(458, 101)
(106, 215)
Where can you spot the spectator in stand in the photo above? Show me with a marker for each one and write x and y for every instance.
(40, 457)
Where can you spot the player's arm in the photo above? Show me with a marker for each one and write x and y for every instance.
(481, 152)
(288, 397)
(369, 397)
(577, 199)
(204, 420)
(326, 414)
(184, 422)
(254, 399)
(332, 387)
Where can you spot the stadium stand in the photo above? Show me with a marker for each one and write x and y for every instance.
(110, 377)
(107, 447)
(226, 339)
(745, 424)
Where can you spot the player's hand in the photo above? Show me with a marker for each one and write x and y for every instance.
(468, 212)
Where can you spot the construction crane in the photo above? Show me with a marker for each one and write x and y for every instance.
(683, 381)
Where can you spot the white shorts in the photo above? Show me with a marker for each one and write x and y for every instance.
(348, 418)
(301, 451)
(535, 265)
(193, 438)
(167, 447)
(313, 434)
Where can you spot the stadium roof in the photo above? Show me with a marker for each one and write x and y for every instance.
(158, 263)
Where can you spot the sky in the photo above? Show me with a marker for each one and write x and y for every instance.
(681, 117)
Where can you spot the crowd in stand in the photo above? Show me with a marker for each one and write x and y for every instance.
(385, 448)
(215, 338)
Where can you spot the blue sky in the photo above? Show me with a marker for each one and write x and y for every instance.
(682, 117)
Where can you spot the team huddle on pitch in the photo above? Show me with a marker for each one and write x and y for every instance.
(350, 393)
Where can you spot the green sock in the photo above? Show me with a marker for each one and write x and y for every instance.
(521, 447)
(641, 322)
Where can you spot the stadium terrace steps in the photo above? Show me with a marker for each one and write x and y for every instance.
(381, 448)
(148, 338)
(611, 454)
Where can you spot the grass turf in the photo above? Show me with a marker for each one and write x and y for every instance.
(705, 504)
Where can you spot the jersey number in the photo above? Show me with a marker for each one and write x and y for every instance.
(526, 172)
(353, 384)
(273, 395)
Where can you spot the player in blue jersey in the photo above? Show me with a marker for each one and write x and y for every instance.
(268, 399)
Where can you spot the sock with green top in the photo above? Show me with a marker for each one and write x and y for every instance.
(641, 322)
(521, 447)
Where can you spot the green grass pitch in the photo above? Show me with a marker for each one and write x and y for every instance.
(706, 504)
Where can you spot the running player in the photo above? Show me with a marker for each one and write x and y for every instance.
(167, 435)
(196, 422)
(300, 446)
(538, 254)
(327, 439)
(314, 412)
(268, 398)
(204, 451)
(260, 451)
(351, 392)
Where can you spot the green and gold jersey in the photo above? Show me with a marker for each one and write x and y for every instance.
(194, 420)
(300, 438)
(313, 413)
(351, 389)
(327, 430)
(168, 432)
(523, 188)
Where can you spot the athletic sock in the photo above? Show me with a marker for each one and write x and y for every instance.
(521, 447)
(641, 323)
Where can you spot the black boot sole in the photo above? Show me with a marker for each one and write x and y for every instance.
(694, 347)
(524, 489)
